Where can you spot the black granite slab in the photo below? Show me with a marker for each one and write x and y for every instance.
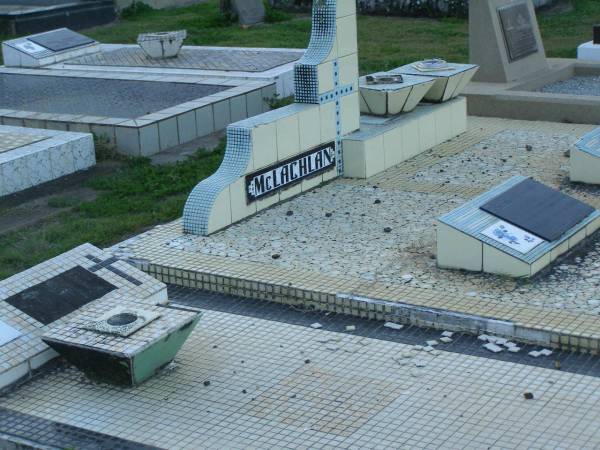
(538, 209)
(59, 40)
(55, 298)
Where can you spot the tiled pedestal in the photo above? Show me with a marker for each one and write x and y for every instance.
(382, 143)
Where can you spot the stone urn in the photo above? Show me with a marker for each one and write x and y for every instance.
(166, 44)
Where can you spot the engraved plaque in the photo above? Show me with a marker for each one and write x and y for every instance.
(517, 27)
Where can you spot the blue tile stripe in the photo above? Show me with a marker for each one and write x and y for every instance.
(471, 220)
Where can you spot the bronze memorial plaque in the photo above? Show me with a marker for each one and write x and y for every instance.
(518, 31)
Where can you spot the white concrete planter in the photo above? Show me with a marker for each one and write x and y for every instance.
(162, 45)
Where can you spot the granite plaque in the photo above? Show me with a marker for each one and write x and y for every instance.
(249, 12)
(518, 31)
(538, 209)
(59, 40)
(55, 298)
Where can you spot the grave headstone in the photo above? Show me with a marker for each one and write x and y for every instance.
(505, 40)
(597, 34)
(249, 12)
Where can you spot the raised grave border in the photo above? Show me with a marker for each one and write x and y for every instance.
(53, 155)
(152, 133)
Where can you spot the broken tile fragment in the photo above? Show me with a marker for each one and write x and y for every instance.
(447, 334)
(432, 343)
(316, 325)
(393, 326)
(445, 340)
(545, 352)
(493, 347)
(534, 353)
(350, 327)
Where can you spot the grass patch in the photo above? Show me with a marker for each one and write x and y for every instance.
(384, 42)
(136, 197)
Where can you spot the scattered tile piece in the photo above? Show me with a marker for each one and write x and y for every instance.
(418, 347)
(428, 349)
(514, 349)
(509, 344)
(546, 352)
(316, 325)
(393, 326)
(350, 327)
(483, 337)
(445, 340)
(534, 354)
(448, 334)
(493, 347)
(432, 343)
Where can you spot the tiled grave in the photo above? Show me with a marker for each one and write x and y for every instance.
(29, 156)
(50, 293)
(270, 65)
(376, 240)
(278, 385)
(176, 109)
(47, 48)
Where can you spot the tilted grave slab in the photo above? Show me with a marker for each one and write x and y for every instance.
(29, 156)
(47, 48)
(386, 98)
(470, 238)
(585, 159)
(122, 342)
(48, 294)
(450, 81)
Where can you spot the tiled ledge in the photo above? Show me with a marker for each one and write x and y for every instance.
(403, 304)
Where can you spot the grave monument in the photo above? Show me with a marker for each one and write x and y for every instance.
(288, 151)
(504, 40)
(590, 51)
(516, 80)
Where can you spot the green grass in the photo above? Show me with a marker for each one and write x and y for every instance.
(134, 198)
(384, 42)
(140, 195)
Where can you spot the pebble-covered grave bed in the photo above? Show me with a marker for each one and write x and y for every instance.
(579, 85)
(383, 229)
